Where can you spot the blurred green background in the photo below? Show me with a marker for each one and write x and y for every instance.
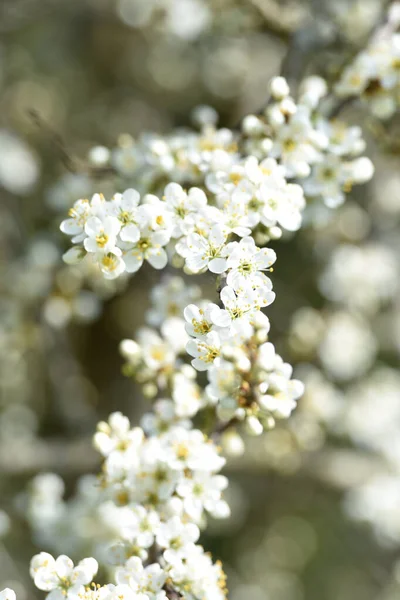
(79, 73)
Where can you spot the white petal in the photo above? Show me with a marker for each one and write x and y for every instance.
(130, 233)
(133, 261)
(45, 580)
(74, 255)
(90, 244)
(220, 317)
(228, 296)
(130, 198)
(157, 258)
(160, 238)
(42, 560)
(192, 312)
(191, 348)
(7, 594)
(56, 594)
(112, 226)
(199, 365)
(70, 227)
(196, 262)
(93, 226)
(217, 236)
(265, 258)
(217, 265)
(64, 566)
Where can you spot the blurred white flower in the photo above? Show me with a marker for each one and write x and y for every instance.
(19, 165)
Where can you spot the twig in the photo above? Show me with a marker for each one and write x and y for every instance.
(171, 592)
(56, 140)
(223, 426)
(72, 164)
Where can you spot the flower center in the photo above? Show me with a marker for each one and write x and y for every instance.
(181, 211)
(122, 498)
(144, 244)
(101, 239)
(266, 171)
(124, 217)
(182, 452)
(201, 327)
(328, 173)
(289, 145)
(175, 543)
(197, 489)
(272, 203)
(158, 353)
(255, 204)
(235, 178)
(173, 309)
(246, 267)
(236, 313)
(213, 251)
(161, 475)
(211, 354)
(109, 262)
(79, 216)
(373, 87)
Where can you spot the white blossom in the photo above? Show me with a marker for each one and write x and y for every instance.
(7, 594)
(245, 260)
(60, 577)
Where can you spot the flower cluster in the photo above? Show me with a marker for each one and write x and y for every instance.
(67, 525)
(119, 235)
(62, 580)
(248, 184)
(247, 380)
(157, 359)
(157, 491)
(161, 480)
(164, 484)
(59, 577)
(208, 201)
(160, 472)
(132, 533)
(374, 76)
(320, 154)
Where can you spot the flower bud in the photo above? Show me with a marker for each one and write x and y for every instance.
(232, 443)
(279, 88)
(254, 426)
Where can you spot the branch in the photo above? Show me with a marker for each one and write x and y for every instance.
(56, 141)
(171, 592)
(71, 163)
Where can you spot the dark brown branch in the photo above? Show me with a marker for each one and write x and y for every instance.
(171, 592)
(223, 426)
